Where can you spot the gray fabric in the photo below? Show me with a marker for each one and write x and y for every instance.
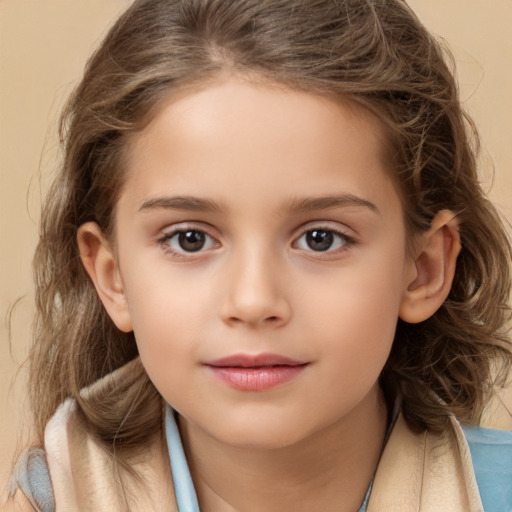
(32, 478)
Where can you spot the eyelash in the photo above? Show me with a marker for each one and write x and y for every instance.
(346, 240)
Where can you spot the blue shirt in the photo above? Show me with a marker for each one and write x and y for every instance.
(491, 452)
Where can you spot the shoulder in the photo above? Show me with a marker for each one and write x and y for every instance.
(75, 463)
(491, 454)
(40, 474)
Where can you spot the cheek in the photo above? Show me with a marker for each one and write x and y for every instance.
(164, 327)
(170, 312)
(167, 346)
(357, 312)
(365, 294)
(163, 298)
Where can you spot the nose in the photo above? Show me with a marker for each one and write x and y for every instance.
(255, 294)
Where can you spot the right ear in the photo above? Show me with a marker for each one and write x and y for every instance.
(102, 266)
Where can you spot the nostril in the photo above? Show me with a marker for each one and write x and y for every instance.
(270, 320)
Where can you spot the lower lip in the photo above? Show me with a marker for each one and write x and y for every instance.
(256, 379)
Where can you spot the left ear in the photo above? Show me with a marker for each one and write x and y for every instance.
(433, 268)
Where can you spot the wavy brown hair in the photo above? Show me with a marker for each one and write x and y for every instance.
(374, 52)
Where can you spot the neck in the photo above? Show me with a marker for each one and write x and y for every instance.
(330, 470)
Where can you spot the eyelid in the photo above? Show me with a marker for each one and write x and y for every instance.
(187, 226)
(334, 226)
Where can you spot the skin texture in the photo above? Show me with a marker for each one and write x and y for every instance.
(269, 165)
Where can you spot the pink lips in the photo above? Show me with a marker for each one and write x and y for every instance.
(255, 373)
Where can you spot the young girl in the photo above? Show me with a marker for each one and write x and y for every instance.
(268, 279)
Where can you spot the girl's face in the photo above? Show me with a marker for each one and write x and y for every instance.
(262, 254)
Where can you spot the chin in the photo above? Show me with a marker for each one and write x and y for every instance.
(261, 434)
(261, 441)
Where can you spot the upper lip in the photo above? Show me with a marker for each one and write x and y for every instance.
(252, 361)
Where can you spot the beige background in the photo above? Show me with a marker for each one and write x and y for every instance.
(43, 46)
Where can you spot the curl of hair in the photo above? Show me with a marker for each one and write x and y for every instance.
(375, 53)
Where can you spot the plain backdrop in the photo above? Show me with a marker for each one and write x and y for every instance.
(43, 47)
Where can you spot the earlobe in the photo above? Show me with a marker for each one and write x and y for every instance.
(433, 269)
(101, 264)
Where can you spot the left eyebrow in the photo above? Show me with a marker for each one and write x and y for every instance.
(327, 202)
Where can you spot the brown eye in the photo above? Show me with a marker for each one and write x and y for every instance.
(188, 241)
(191, 241)
(319, 239)
(322, 240)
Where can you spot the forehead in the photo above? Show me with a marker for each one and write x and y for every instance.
(235, 137)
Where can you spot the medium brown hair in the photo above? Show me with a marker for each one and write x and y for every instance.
(374, 52)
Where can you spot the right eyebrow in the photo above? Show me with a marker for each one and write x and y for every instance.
(188, 203)
(332, 201)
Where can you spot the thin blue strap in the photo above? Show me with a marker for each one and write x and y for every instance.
(183, 486)
(491, 453)
(394, 416)
(364, 506)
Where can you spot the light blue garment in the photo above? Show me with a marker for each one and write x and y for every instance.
(491, 452)
(364, 506)
(183, 485)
